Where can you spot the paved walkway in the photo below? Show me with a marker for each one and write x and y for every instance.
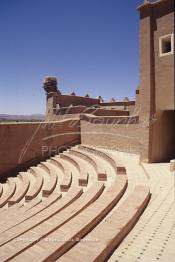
(153, 237)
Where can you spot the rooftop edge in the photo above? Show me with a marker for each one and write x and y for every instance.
(147, 3)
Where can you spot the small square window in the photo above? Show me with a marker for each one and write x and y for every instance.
(166, 45)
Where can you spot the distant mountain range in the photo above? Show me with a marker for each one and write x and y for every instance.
(21, 117)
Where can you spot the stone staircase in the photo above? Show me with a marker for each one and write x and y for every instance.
(68, 207)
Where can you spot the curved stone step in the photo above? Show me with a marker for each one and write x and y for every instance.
(49, 187)
(46, 205)
(67, 178)
(101, 173)
(69, 159)
(60, 218)
(74, 151)
(42, 216)
(82, 167)
(1, 189)
(31, 209)
(36, 188)
(54, 160)
(29, 205)
(20, 207)
(21, 190)
(15, 206)
(115, 162)
(9, 213)
(9, 193)
(111, 231)
(76, 228)
(101, 168)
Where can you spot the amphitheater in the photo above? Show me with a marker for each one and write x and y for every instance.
(95, 181)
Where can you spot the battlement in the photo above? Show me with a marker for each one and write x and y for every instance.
(72, 104)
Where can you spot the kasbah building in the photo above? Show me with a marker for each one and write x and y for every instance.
(95, 181)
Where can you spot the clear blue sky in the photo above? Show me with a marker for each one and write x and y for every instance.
(90, 45)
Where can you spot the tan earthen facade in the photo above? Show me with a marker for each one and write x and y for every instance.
(156, 95)
(71, 194)
(25, 144)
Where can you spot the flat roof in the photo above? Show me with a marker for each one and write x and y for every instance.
(150, 4)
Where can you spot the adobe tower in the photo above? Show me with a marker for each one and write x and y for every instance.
(155, 96)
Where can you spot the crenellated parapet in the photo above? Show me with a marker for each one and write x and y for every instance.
(72, 104)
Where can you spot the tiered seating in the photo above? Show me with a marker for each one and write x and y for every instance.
(51, 223)
(35, 205)
(55, 161)
(70, 159)
(99, 166)
(77, 227)
(9, 193)
(116, 163)
(41, 213)
(35, 189)
(50, 186)
(111, 231)
(1, 189)
(21, 190)
(8, 212)
(81, 155)
(80, 165)
(67, 180)
(27, 212)
(30, 219)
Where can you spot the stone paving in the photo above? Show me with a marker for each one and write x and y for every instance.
(153, 237)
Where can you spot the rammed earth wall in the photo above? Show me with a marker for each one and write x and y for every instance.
(24, 144)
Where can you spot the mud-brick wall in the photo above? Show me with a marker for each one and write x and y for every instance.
(23, 144)
(131, 138)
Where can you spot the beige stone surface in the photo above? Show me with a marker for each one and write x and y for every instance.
(53, 221)
(153, 237)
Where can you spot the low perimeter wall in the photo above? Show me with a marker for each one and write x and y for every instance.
(24, 144)
(131, 138)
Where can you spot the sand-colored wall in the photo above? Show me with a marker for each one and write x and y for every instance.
(145, 99)
(164, 65)
(66, 100)
(25, 143)
(131, 138)
(156, 87)
(88, 110)
(156, 90)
